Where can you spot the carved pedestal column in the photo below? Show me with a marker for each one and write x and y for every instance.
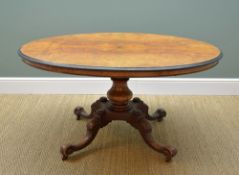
(119, 106)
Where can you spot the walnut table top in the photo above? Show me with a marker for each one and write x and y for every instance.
(120, 54)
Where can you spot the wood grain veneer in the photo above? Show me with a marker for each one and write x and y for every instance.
(127, 52)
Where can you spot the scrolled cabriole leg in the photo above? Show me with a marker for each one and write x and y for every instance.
(139, 122)
(92, 130)
(98, 121)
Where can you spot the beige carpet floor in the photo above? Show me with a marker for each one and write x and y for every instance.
(204, 129)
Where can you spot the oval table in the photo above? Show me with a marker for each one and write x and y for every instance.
(120, 56)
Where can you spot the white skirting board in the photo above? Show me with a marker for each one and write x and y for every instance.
(150, 86)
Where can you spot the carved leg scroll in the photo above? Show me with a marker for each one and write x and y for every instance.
(92, 129)
(138, 120)
(145, 130)
(159, 114)
(81, 113)
(93, 126)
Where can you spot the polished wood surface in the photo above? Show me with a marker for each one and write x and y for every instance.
(115, 53)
